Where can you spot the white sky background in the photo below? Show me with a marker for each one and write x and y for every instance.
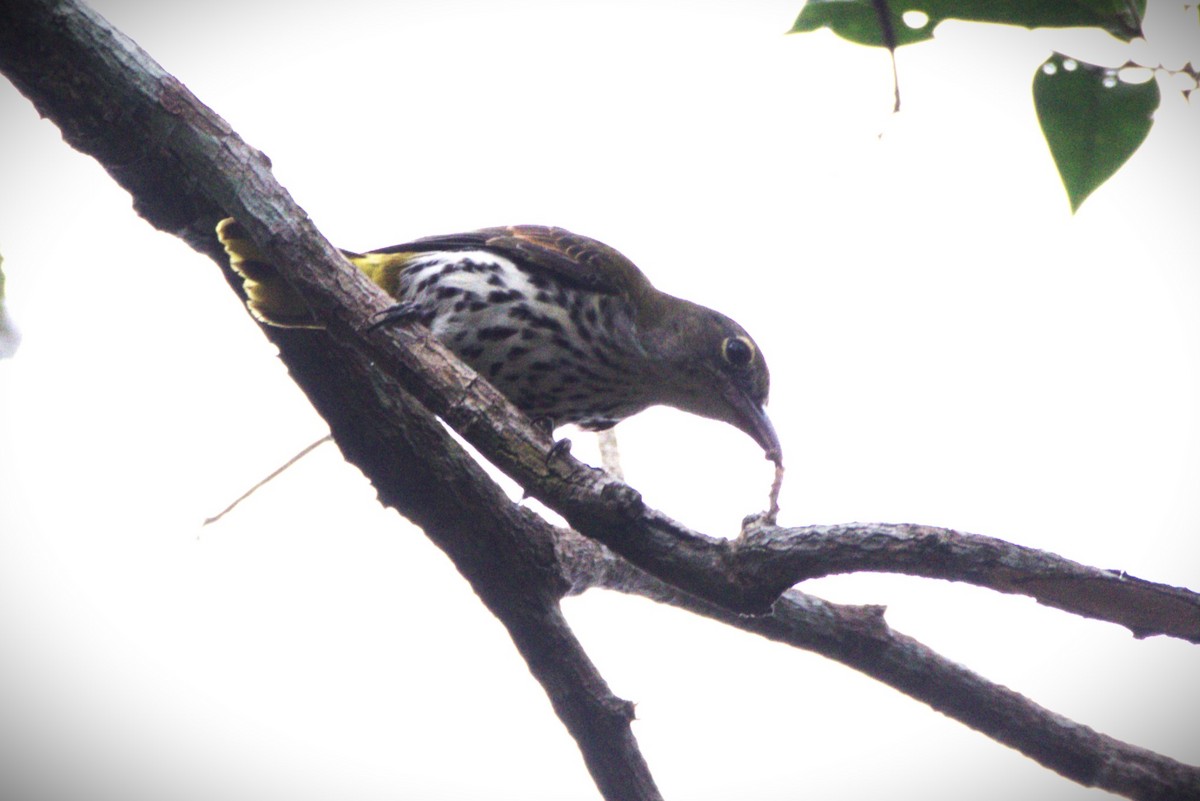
(947, 344)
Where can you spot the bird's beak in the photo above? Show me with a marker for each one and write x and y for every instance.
(752, 418)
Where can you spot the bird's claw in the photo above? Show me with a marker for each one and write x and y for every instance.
(560, 448)
(399, 313)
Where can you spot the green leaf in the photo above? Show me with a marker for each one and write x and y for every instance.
(868, 21)
(1092, 121)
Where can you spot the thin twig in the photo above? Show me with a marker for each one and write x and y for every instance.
(273, 475)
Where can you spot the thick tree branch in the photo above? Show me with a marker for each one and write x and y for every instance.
(113, 102)
(197, 160)
(133, 100)
(506, 553)
(186, 169)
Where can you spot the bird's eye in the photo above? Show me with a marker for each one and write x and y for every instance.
(737, 351)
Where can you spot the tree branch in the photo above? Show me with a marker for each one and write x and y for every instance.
(186, 169)
(504, 550)
(113, 102)
(858, 636)
(780, 557)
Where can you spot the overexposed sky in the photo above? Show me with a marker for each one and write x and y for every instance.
(948, 345)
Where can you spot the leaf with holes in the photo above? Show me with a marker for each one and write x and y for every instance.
(1092, 121)
(881, 23)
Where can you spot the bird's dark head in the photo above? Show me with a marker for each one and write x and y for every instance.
(713, 368)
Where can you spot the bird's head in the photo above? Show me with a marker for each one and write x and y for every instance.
(713, 368)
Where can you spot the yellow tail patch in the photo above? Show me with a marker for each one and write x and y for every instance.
(270, 298)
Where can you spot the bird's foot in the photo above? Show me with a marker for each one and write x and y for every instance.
(404, 312)
(560, 447)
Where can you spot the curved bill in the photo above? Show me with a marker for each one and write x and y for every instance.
(752, 419)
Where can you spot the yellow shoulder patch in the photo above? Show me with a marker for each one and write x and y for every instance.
(382, 268)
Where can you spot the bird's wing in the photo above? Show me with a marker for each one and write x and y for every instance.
(570, 258)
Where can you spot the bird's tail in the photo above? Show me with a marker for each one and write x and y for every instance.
(272, 300)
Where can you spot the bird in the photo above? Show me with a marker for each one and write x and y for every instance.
(566, 327)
